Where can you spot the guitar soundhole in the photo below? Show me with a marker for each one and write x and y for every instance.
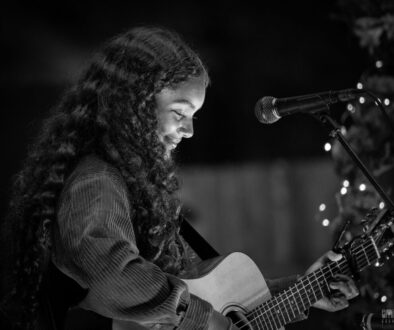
(240, 320)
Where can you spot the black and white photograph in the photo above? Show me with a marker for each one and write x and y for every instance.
(197, 165)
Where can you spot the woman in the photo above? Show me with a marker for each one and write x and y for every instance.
(96, 195)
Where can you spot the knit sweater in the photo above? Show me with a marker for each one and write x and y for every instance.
(94, 244)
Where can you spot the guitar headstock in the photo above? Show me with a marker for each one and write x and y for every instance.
(382, 233)
(375, 246)
(379, 229)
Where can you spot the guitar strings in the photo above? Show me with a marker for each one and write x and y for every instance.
(275, 321)
(314, 283)
(278, 320)
(300, 294)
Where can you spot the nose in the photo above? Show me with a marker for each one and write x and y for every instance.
(187, 128)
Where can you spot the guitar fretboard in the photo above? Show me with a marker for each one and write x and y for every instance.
(291, 303)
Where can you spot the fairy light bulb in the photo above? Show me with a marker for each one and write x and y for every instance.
(386, 102)
(362, 187)
(381, 205)
(322, 207)
(359, 85)
(378, 64)
(350, 108)
(362, 99)
(327, 146)
(383, 299)
(345, 183)
(343, 191)
(325, 222)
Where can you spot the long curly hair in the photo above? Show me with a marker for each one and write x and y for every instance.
(110, 112)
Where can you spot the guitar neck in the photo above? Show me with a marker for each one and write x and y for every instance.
(291, 303)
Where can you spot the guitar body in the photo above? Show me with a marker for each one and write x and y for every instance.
(232, 283)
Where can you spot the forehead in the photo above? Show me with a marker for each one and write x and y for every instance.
(190, 91)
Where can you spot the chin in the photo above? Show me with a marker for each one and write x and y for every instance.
(168, 154)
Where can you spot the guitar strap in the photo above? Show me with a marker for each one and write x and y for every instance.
(203, 249)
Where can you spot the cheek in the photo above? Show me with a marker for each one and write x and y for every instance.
(166, 125)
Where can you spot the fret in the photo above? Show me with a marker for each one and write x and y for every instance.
(294, 301)
(302, 300)
(278, 312)
(306, 293)
(309, 289)
(271, 326)
(270, 313)
(266, 321)
(259, 315)
(285, 307)
(256, 324)
(329, 268)
(366, 256)
(291, 302)
(276, 320)
(318, 284)
(370, 255)
(336, 264)
(327, 286)
(375, 248)
(261, 319)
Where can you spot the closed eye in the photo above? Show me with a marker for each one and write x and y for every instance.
(178, 115)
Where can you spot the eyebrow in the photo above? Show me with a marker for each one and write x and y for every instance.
(184, 101)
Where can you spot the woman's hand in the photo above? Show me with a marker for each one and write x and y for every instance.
(343, 286)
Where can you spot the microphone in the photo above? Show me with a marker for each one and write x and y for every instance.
(270, 109)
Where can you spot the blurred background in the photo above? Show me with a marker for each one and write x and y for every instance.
(266, 190)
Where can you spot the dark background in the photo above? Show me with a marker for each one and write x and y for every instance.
(273, 48)
(277, 48)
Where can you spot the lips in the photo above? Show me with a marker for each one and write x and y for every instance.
(171, 142)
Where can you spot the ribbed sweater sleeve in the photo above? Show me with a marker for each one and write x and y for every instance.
(94, 243)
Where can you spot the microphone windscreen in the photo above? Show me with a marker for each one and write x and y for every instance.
(265, 110)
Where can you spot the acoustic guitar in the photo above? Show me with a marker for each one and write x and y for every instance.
(234, 285)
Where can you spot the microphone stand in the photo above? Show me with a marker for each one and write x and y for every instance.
(336, 133)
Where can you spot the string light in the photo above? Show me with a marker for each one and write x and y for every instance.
(322, 207)
(361, 99)
(343, 130)
(386, 102)
(359, 85)
(350, 108)
(327, 146)
(325, 222)
(346, 183)
(362, 187)
(378, 64)
(343, 191)
(381, 205)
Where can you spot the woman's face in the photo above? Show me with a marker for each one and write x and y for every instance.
(175, 110)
